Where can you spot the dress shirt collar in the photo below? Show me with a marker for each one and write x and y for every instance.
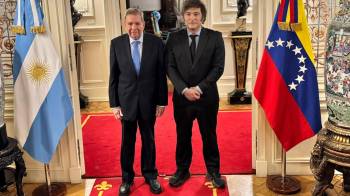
(140, 39)
(196, 33)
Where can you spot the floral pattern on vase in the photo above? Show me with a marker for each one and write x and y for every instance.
(337, 70)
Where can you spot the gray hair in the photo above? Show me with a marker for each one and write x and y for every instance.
(134, 11)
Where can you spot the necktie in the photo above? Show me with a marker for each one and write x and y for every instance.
(136, 56)
(193, 46)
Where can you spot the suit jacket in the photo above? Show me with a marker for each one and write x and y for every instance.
(206, 69)
(137, 93)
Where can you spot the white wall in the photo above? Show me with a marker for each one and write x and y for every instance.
(94, 64)
(222, 17)
(97, 29)
(95, 69)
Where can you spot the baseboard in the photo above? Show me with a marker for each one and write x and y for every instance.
(261, 168)
(75, 175)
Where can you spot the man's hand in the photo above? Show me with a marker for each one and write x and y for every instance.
(117, 113)
(196, 88)
(192, 94)
(159, 110)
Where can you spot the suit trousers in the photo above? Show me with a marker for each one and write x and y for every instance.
(206, 117)
(148, 149)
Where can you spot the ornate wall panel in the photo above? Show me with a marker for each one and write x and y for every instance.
(7, 41)
(319, 15)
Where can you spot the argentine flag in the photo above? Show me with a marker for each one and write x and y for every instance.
(42, 105)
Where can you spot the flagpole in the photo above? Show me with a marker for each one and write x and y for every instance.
(47, 175)
(284, 168)
(283, 184)
(50, 189)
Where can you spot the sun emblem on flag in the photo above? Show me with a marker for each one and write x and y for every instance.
(39, 72)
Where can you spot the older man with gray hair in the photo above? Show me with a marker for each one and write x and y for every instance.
(137, 95)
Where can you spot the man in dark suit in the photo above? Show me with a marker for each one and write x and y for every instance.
(195, 60)
(137, 95)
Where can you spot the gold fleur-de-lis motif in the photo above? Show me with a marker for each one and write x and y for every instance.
(211, 186)
(103, 186)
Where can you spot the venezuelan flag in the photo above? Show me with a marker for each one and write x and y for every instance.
(286, 86)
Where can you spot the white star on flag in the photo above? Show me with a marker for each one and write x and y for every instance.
(289, 44)
(302, 59)
(300, 79)
(280, 42)
(302, 69)
(292, 86)
(269, 44)
(297, 50)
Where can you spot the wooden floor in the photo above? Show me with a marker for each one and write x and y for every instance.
(239, 185)
(72, 190)
(307, 184)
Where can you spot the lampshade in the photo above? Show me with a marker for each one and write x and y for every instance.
(146, 5)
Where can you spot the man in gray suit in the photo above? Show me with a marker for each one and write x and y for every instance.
(195, 61)
(137, 95)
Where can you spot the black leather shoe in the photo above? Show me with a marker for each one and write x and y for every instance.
(216, 180)
(154, 186)
(124, 189)
(179, 178)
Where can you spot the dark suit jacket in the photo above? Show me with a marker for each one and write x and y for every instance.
(207, 68)
(134, 92)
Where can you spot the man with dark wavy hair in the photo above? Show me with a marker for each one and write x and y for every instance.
(195, 61)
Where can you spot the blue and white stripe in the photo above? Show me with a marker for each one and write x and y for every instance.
(42, 106)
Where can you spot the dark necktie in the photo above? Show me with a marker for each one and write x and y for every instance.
(193, 46)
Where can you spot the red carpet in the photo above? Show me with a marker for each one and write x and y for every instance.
(195, 186)
(102, 138)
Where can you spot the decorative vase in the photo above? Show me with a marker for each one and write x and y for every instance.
(332, 148)
(337, 70)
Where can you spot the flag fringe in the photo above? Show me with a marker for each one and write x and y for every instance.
(18, 29)
(38, 29)
(286, 26)
(296, 26)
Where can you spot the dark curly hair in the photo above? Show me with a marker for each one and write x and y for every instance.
(188, 4)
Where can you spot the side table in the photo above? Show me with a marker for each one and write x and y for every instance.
(11, 153)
